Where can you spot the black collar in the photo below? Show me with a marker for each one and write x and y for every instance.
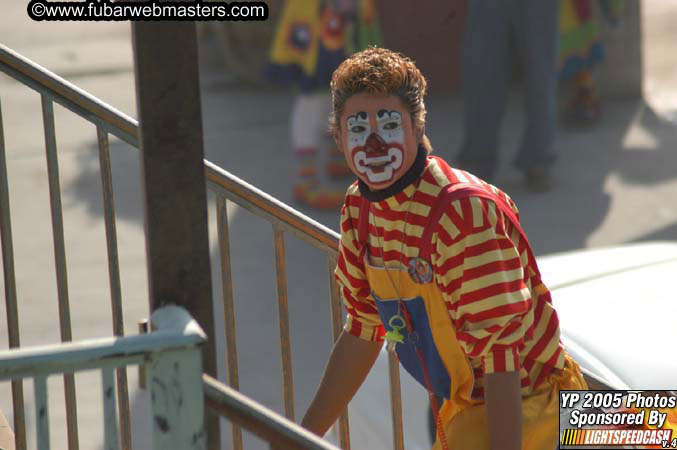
(405, 180)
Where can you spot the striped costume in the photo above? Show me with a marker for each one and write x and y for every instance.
(500, 311)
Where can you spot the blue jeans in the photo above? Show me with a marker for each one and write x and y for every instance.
(496, 30)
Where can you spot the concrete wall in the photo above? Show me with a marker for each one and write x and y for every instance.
(430, 32)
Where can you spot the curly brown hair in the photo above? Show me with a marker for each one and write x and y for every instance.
(379, 71)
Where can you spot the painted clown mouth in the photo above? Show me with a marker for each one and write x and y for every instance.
(378, 169)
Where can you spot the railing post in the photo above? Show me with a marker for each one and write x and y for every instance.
(109, 419)
(60, 263)
(228, 306)
(169, 111)
(176, 393)
(176, 389)
(395, 400)
(336, 327)
(283, 314)
(114, 279)
(10, 292)
(41, 412)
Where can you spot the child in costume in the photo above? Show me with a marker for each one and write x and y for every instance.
(434, 260)
(312, 39)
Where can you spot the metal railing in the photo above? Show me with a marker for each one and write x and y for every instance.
(258, 419)
(56, 90)
(174, 359)
(226, 187)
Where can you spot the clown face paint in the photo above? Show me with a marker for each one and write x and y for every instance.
(377, 138)
(379, 153)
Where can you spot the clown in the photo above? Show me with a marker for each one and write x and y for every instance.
(434, 260)
(312, 38)
(377, 154)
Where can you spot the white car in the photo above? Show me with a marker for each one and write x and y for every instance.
(618, 311)
(618, 315)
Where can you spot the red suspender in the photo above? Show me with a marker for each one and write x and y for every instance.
(363, 224)
(450, 193)
(462, 190)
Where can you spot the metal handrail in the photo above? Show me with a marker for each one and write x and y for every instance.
(175, 329)
(69, 96)
(127, 129)
(173, 354)
(262, 204)
(258, 419)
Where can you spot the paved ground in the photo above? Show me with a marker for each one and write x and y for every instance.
(614, 184)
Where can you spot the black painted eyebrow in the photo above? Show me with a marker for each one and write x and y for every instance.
(383, 112)
(361, 115)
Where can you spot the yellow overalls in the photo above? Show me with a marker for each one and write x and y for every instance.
(451, 377)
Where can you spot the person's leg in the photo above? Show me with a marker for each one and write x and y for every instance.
(486, 72)
(313, 148)
(304, 144)
(536, 25)
(585, 108)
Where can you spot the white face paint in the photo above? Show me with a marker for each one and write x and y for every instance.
(390, 126)
(376, 154)
(359, 129)
(378, 138)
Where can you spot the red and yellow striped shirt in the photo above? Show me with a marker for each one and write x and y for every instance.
(501, 311)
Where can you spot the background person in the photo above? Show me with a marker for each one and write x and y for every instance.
(581, 50)
(495, 32)
(312, 38)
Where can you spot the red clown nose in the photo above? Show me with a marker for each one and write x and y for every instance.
(376, 144)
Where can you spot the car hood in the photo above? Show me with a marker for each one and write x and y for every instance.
(618, 311)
